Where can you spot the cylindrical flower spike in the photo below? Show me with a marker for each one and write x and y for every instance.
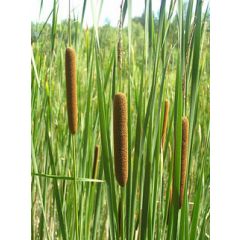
(71, 84)
(120, 130)
(185, 131)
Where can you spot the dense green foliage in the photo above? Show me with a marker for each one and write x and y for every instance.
(163, 57)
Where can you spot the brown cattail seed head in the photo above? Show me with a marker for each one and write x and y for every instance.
(71, 83)
(165, 121)
(95, 162)
(120, 130)
(185, 131)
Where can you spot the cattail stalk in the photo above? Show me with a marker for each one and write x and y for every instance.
(95, 162)
(120, 130)
(75, 184)
(185, 131)
(71, 84)
(120, 216)
(119, 45)
(165, 122)
(119, 52)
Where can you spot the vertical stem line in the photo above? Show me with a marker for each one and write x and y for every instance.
(69, 23)
(122, 212)
(75, 184)
(121, 216)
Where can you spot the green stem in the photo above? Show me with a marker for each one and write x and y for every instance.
(75, 185)
(69, 23)
(121, 214)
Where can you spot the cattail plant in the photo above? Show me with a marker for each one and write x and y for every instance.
(95, 162)
(185, 130)
(71, 84)
(120, 130)
(149, 65)
(165, 121)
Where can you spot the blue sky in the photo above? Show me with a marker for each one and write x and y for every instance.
(110, 10)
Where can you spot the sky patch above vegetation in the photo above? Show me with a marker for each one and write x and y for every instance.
(108, 13)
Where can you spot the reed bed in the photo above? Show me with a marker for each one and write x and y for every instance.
(152, 178)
